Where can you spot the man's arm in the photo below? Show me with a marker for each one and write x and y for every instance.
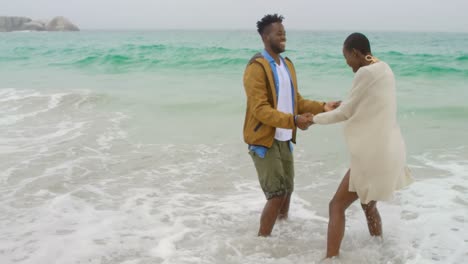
(309, 106)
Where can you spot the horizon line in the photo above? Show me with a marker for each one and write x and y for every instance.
(291, 29)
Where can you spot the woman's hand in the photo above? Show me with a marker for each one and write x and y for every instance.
(331, 106)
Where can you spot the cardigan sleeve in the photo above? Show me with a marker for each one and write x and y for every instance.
(361, 82)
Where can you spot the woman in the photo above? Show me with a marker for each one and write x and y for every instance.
(378, 156)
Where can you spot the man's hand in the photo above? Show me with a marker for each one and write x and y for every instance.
(331, 106)
(304, 121)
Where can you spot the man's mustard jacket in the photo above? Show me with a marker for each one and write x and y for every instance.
(261, 117)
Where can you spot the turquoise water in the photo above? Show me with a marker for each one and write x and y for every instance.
(177, 73)
(128, 145)
(410, 54)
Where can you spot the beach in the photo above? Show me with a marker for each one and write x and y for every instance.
(126, 147)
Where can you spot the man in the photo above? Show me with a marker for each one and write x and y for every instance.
(275, 110)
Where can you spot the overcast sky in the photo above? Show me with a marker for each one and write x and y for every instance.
(394, 15)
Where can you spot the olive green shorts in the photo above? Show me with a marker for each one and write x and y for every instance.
(276, 170)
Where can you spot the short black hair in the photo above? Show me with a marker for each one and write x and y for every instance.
(268, 20)
(359, 42)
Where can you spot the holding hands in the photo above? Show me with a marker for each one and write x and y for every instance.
(305, 120)
(331, 106)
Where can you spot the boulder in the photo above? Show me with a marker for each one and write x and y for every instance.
(61, 24)
(8, 23)
(15, 23)
(34, 25)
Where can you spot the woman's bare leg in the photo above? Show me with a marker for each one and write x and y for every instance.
(336, 224)
(374, 223)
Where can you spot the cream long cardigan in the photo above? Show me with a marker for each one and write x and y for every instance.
(378, 155)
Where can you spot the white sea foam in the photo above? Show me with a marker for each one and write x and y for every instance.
(75, 190)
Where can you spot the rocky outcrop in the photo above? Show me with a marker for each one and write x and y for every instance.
(34, 26)
(12, 23)
(60, 23)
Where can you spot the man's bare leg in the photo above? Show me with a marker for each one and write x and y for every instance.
(269, 215)
(284, 211)
(374, 223)
(336, 224)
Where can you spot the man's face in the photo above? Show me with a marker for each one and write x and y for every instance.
(275, 37)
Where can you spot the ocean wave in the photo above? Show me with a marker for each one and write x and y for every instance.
(102, 60)
(154, 47)
(393, 53)
(13, 58)
(444, 113)
(423, 64)
(148, 57)
(93, 56)
(425, 69)
(462, 58)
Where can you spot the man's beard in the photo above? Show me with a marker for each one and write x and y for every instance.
(276, 48)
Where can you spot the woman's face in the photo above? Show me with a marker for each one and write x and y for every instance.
(352, 59)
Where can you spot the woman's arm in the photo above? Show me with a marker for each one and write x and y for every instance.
(361, 82)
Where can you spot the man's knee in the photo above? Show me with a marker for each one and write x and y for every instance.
(276, 200)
